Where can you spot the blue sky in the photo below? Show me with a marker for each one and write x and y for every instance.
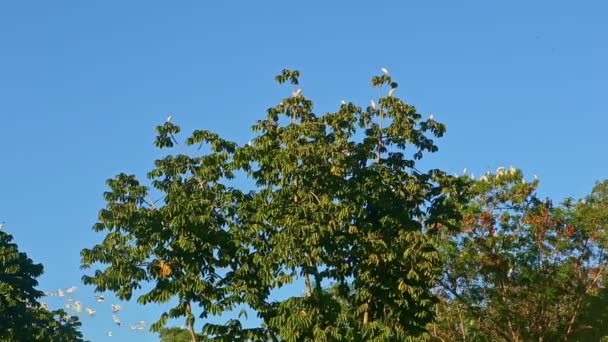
(82, 85)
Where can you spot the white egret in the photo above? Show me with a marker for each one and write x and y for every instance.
(384, 71)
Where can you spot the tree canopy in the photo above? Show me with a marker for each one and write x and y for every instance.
(334, 198)
(338, 204)
(23, 316)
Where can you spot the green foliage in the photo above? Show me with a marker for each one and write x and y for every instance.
(337, 198)
(23, 317)
(175, 334)
(523, 269)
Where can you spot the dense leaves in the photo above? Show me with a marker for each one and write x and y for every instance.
(336, 204)
(524, 269)
(335, 198)
(23, 318)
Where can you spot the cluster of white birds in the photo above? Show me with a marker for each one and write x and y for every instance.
(500, 172)
(74, 306)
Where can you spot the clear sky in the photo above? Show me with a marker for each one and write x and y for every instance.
(83, 84)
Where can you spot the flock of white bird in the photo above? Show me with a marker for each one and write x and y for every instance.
(74, 307)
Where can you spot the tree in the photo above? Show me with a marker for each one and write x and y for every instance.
(524, 269)
(23, 317)
(175, 334)
(335, 198)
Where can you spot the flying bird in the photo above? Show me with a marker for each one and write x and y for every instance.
(116, 320)
(71, 289)
(99, 299)
(90, 311)
(109, 333)
(115, 308)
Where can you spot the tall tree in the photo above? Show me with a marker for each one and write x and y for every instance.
(335, 198)
(23, 317)
(524, 269)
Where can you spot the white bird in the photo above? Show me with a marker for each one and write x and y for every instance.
(384, 71)
(78, 307)
(115, 307)
(297, 93)
(343, 102)
(132, 327)
(483, 178)
(373, 104)
(99, 299)
(44, 306)
(500, 170)
(110, 333)
(90, 311)
(510, 272)
(512, 170)
(535, 177)
(431, 117)
(391, 92)
(116, 320)
(169, 118)
(71, 289)
(464, 172)
(1, 225)
(60, 293)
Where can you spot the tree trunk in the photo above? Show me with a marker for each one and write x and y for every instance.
(190, 323)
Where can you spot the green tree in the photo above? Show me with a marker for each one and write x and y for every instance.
(335, 198)
(522, 269)
(175, 334)
(23, 317)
